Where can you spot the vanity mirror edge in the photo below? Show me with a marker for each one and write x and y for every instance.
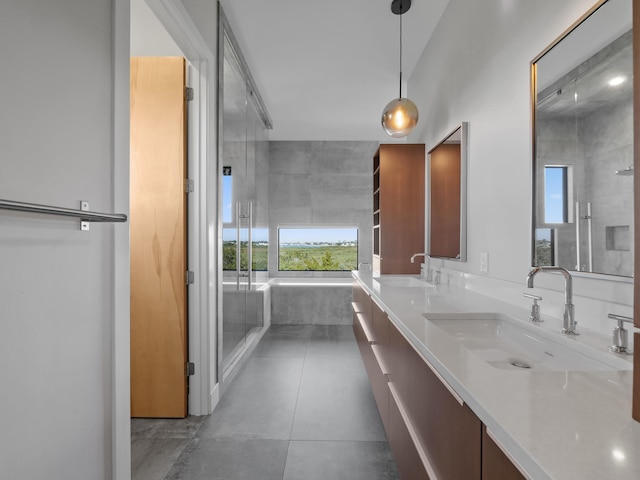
(636, 205)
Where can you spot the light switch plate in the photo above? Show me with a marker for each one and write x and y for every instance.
(484, 262)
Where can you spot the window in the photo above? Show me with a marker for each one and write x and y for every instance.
(227, 195)
(545, 247)
(317, 249)
(556, 194)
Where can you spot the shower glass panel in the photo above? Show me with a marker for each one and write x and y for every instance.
(243, 176)
(233, 162)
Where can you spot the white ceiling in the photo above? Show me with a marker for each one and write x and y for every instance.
(326, 68)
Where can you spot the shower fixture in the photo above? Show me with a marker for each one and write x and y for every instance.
(625, 171)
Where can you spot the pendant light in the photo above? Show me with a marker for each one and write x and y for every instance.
(400, 116)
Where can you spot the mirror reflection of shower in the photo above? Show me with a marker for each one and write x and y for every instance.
(583, 146)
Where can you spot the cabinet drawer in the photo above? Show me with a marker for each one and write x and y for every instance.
(377, 377)
(404, 450)
(447, 430)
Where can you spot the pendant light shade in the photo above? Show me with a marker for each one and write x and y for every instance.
(400, 116)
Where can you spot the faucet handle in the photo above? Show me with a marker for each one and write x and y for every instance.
(620, 319)
(620, 334)
(534, 313)
(535, 298)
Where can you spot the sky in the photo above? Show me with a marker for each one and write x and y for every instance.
(329, 235)
(296, 235)
(554, 194)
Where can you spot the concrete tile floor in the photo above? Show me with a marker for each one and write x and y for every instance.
(300, 409)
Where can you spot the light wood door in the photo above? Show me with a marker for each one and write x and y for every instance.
(158, 238)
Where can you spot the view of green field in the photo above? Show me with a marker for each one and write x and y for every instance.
(334, 257)
(260, 260)
(321, 257)
(543, 252)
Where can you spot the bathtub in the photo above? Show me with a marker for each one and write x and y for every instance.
(252, 306)
(311, 301)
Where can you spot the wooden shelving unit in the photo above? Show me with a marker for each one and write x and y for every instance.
(398, 207)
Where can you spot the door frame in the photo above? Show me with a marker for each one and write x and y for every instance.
(202, 220)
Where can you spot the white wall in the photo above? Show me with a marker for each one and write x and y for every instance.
(64, 293)
(149, 38)
(475, 68)
(56, 282)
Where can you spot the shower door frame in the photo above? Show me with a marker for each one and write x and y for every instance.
(225, 34)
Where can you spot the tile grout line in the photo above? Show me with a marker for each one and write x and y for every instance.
(295, 409)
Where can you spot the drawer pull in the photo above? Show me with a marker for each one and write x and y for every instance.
(383, 368)
(354, 305)
(365, 328)
(412, 433)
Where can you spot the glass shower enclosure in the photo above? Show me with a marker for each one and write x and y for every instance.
(243, 148)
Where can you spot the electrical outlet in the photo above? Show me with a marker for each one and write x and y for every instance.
(484, 262)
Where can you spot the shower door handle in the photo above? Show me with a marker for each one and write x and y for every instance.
(577, 222)
(238, 217)
(589, 238)
(587, 217)
(250, 242)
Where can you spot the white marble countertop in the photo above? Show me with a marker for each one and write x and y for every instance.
(553, 424)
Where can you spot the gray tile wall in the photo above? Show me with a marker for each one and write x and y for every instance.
(607, 140)
(320, 183)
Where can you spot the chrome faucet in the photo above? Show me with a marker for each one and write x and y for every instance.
(425, 272)
(620, 334)
(568, 320)
(413, 257)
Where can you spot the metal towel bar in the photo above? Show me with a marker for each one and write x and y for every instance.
(83, 215)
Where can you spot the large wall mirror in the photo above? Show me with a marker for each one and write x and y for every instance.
(447, 180)
(583, 145)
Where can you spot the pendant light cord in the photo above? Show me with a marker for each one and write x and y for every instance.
(400, 96)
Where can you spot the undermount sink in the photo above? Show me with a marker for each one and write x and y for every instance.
(510, 344)
(402, 281)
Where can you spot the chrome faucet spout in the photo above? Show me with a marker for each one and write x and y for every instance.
(413, 257)
(568, 319)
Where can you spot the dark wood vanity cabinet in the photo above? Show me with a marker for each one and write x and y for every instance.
(410, 464)
(495, 464)
(445, 429)
(398, 207)
(429, 428)
(426, 426)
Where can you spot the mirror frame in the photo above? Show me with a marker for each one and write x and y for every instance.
(533, 103)
(464, 154)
